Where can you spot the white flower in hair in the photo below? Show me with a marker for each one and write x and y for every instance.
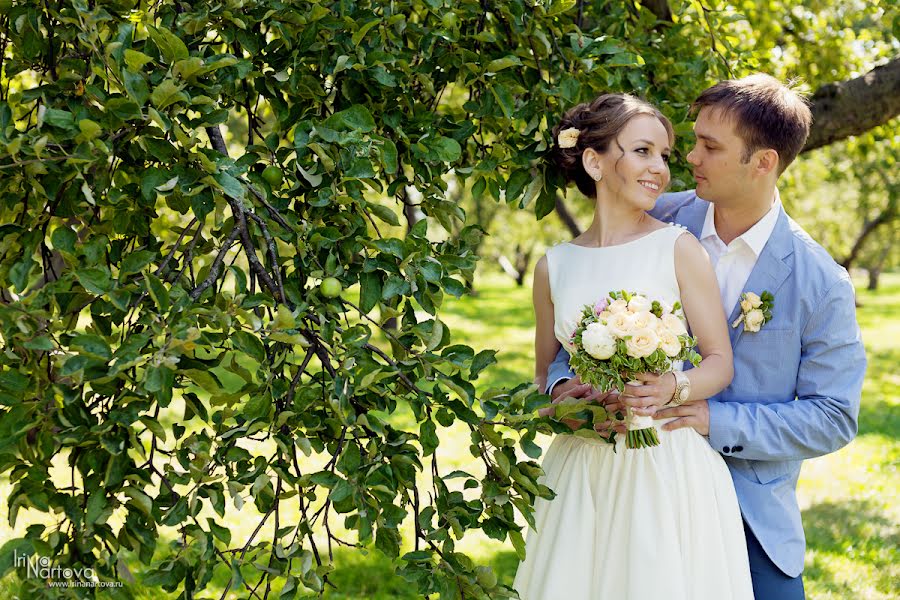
(568, 137)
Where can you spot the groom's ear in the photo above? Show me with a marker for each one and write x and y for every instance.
(766, 161)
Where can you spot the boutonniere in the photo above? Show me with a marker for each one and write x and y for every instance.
(756, 311)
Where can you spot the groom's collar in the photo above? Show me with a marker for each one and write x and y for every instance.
(756, 237)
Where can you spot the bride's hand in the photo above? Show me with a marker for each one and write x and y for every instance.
(655, 391)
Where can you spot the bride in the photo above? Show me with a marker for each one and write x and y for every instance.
(651, 523)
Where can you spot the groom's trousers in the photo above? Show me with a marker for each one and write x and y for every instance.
(769, 582)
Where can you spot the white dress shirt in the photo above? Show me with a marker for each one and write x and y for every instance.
(734, 262)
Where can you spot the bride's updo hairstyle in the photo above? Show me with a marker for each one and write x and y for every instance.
(596, 125)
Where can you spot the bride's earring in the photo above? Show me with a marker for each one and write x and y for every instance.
(598, 177)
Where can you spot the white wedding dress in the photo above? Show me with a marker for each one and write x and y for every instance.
(658, 523)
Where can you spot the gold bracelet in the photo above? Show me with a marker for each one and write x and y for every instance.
(682, 388)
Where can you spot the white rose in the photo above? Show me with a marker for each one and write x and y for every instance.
(568, 138)
(755, 301)
(598, 341)
(669, 343)
(642, 343)
(620, 324)
(746, 305)
(754, 320)
(674, 324)
(666, 307)
(604, 315)
(639, 304)
(617, 306)
(644, 320)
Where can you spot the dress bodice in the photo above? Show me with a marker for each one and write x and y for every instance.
(581, 275)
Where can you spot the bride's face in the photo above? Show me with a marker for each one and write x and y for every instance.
(635, 168)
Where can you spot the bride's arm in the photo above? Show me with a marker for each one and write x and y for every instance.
(702, 303)
(545, 343)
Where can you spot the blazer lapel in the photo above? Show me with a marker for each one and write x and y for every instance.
(770, 270)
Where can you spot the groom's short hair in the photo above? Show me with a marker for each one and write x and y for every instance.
(767, 114)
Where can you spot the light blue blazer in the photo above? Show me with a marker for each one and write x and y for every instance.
(797, 382)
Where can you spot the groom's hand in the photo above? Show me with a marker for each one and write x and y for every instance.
(574, 388)
(690, 414)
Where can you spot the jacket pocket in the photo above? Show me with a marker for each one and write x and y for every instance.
(767, 471)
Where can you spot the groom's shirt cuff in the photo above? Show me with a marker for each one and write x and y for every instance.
(551, 386)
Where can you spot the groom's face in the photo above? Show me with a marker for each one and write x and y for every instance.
(719, 171)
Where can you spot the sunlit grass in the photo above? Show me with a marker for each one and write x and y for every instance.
(850, 510)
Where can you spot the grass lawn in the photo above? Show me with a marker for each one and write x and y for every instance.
(849, 498)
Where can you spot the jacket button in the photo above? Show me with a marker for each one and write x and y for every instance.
(737, 449)
(726, 450)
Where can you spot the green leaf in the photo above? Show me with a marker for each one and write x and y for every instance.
(124, 109)
(518, 543)
(362, 31)
(231, 185)
(445, 149)
(482, 360)
(222, 533)
(504, 99)
(516, 183)
(136, 261)
(249, 344)
(136, 86)
(59, 118)
(498, 64)
(10, 550)
(384, 213)
(205, 379)
(370, 291)
(428, 437)
(136, 60)
(188, 67)
(63, 239)
(95, 279)
(453, 287)
(170, 45)
(389, 157)
(154, 426)
(357, 118)
(140, 499)
(157, 291)
(92, 345)
(534, 188)
(90, 130)
(13, 381)
(166, 93)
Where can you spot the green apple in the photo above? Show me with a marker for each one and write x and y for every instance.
(330, 287)
(272, 175)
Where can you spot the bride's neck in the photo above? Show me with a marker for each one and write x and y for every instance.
(614, 223)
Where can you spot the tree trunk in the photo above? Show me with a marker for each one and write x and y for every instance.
(870, 226)
(851, 107)
(875, 270)
(874, 274)
(523, 260)
(566, 217)
(660, 8)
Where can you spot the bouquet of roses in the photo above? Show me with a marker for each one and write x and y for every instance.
(624, 335)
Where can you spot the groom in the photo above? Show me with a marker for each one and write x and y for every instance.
(798, 379)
